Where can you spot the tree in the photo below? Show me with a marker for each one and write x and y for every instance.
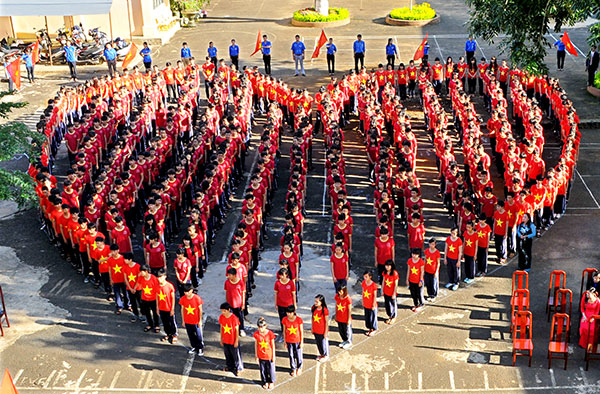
(521, 26)
(15, 139)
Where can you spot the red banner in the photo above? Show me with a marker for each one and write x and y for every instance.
(130, 55)
(257, 47)
(322, 41)
(421, 49)
(35, 52)
(568, 44)
(14, 70)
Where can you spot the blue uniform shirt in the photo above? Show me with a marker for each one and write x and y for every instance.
(390, 49)
(28, 60)
(265, 51)
(560, 45)
(359, 46)
(331, 49)
(146, 54)
(234, 50)
(110, 54)
(298, 47)
(185, 52)
(470, 46)
(70, 53)
(426, 49)
(212, 52)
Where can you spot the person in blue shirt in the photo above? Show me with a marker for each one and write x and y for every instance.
(265, 48)
(426, 53)
(212, 53)
(186, 54)
(111, 59)
(359, 52)
(391, 52)
(470, 48)
(331, 50)
(145, 52)
(28, 64)
(298, 49)
(71, 56)
(526, 231)
(234, 53)
(560, 53)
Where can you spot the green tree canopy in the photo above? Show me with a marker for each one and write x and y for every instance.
(520, 26)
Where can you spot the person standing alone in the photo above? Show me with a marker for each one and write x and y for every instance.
(111, 59)
(560, 54)
(359, 52)
(234, 53)
(591, 65)
(265, 47)
(298, 49)
(331, 50)
(470, 48)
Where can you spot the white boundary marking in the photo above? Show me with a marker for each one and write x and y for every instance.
(552, 378)
(187, 369)
(588, 189)
(479, 47)
(113, 383)
(486, 382)
(317, 372)
(451, 378)
(439, 49)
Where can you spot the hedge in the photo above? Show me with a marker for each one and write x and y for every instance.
(419, 12)
(310, 15)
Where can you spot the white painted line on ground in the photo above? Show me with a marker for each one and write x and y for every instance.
(471, 390)
(451, 377)
(583, 376)
(324, 187)
(113, 383)
(439, 49)
(148, 381)
(78, 383)
(588, 189)
(386, 381)
(17, 376)
(366, 376)
(420, 380)
(552, 378)
(60, 282)
(64, 285)
(486, 382)
(317, 371)
(353, 384)
(583, 208)
(139, 385)
(479, 46)
(49, 379)
(187, 368)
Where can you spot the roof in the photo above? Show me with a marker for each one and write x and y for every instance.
(53, 7)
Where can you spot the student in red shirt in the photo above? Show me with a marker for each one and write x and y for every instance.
(320, 327)
(369, 300)
(414, 278)
(230, 339)
(390, 290)
(432, 270)
(235, 293)
(339, 267)
(343, 316)
(116, 263)
(191, 316)
(285, 294)
(483, 239)
(147, 284)
(165, 296)
(500, 231)
(416, 232)
(183, 270)
(384, 251)
(470, 238)
(100, 255)
(452, 256)
(121, 236)
(131, 271)
(155, 254)
(264, 349)
(294, 339)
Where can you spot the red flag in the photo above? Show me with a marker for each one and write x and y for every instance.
(257, 47)
(130, 55)
(568, 44)
(14, 70)
(8, 387)
(35, 52)
(421, 49)
(322, 41)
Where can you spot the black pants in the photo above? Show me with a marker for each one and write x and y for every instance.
(560, 59)
(233, 357)
(470, 267)
(331, 63)
(591, 75)
(267, 61)
(239, 313)
(500, 242)
(112, 67)
(234, 61)
(135, 300)
(30, 73)
(431, 283)
(149, 310)
(195, 335)
(359, 57)
(470, 55)
(72, 69)
(267, 371)
(148, 65)
(391, 59)
(416, 293)
(172, 92)
(168, 323)
(482, 259)
(524, 248)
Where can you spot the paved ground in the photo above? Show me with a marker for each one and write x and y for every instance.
(460, 343)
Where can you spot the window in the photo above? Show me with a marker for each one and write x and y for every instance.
(157, 3)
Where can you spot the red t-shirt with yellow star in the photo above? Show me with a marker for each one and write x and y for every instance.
(470, 243)
(483, 235)
(342, 309)
(116, 265)
(453, 247)
(414, 270)
(500, 223)
(369, 293)
(190, 309)
(148, 287)
(432, 261)
(164, 296)
(388, 283)
(264, 341)
(292, 329)
(131, 274)
(229, 326)
(319, 319)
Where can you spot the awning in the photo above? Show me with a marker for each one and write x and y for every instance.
(53, 7)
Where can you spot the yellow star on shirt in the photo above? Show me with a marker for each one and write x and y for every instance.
(414, 270)
(481, 234)
(189, 310)
(451, 248)
(538, 197)
(340, 307)
(429, 261)
(293, 330)
(264, 345)
(499, 222)
(469, 242)
(94, 246)
(147, 290)
(521, 213)
(317, 318)
(366, 294)
(162, 296)
(117, 269)
(227, 329)
(388, 282)
(131, 277)
(509, 214)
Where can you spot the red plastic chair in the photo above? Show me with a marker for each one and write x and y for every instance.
(521, 333)
(3, 315)
(592, 352)
(519, 303)
(558, 280)
(559, 339)
(520, 280)
(564, 304)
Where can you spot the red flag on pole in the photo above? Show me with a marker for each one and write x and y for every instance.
(130, 55)
(8, 386)
(35, 52)
(257, 47)
(322, 41)
(14, 70)
(568, 44)
(421, 49)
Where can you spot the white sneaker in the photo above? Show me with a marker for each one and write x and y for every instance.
(242, 333)
(342, 344)
(347, 346)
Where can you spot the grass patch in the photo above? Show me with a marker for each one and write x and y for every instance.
(419, 12)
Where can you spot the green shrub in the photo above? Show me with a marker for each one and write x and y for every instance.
(419, 12)
(597, 80)
(310, 15)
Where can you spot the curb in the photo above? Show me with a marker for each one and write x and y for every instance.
(340, 22)
(415, 23)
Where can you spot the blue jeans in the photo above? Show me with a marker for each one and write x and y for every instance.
(371, 318)
(195, 334)
(295, 354)
(390, 306)
(431, 283)
(322, 344)
(121, 296)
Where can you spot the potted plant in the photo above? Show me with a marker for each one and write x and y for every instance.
(189, 10)
(414, 15)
